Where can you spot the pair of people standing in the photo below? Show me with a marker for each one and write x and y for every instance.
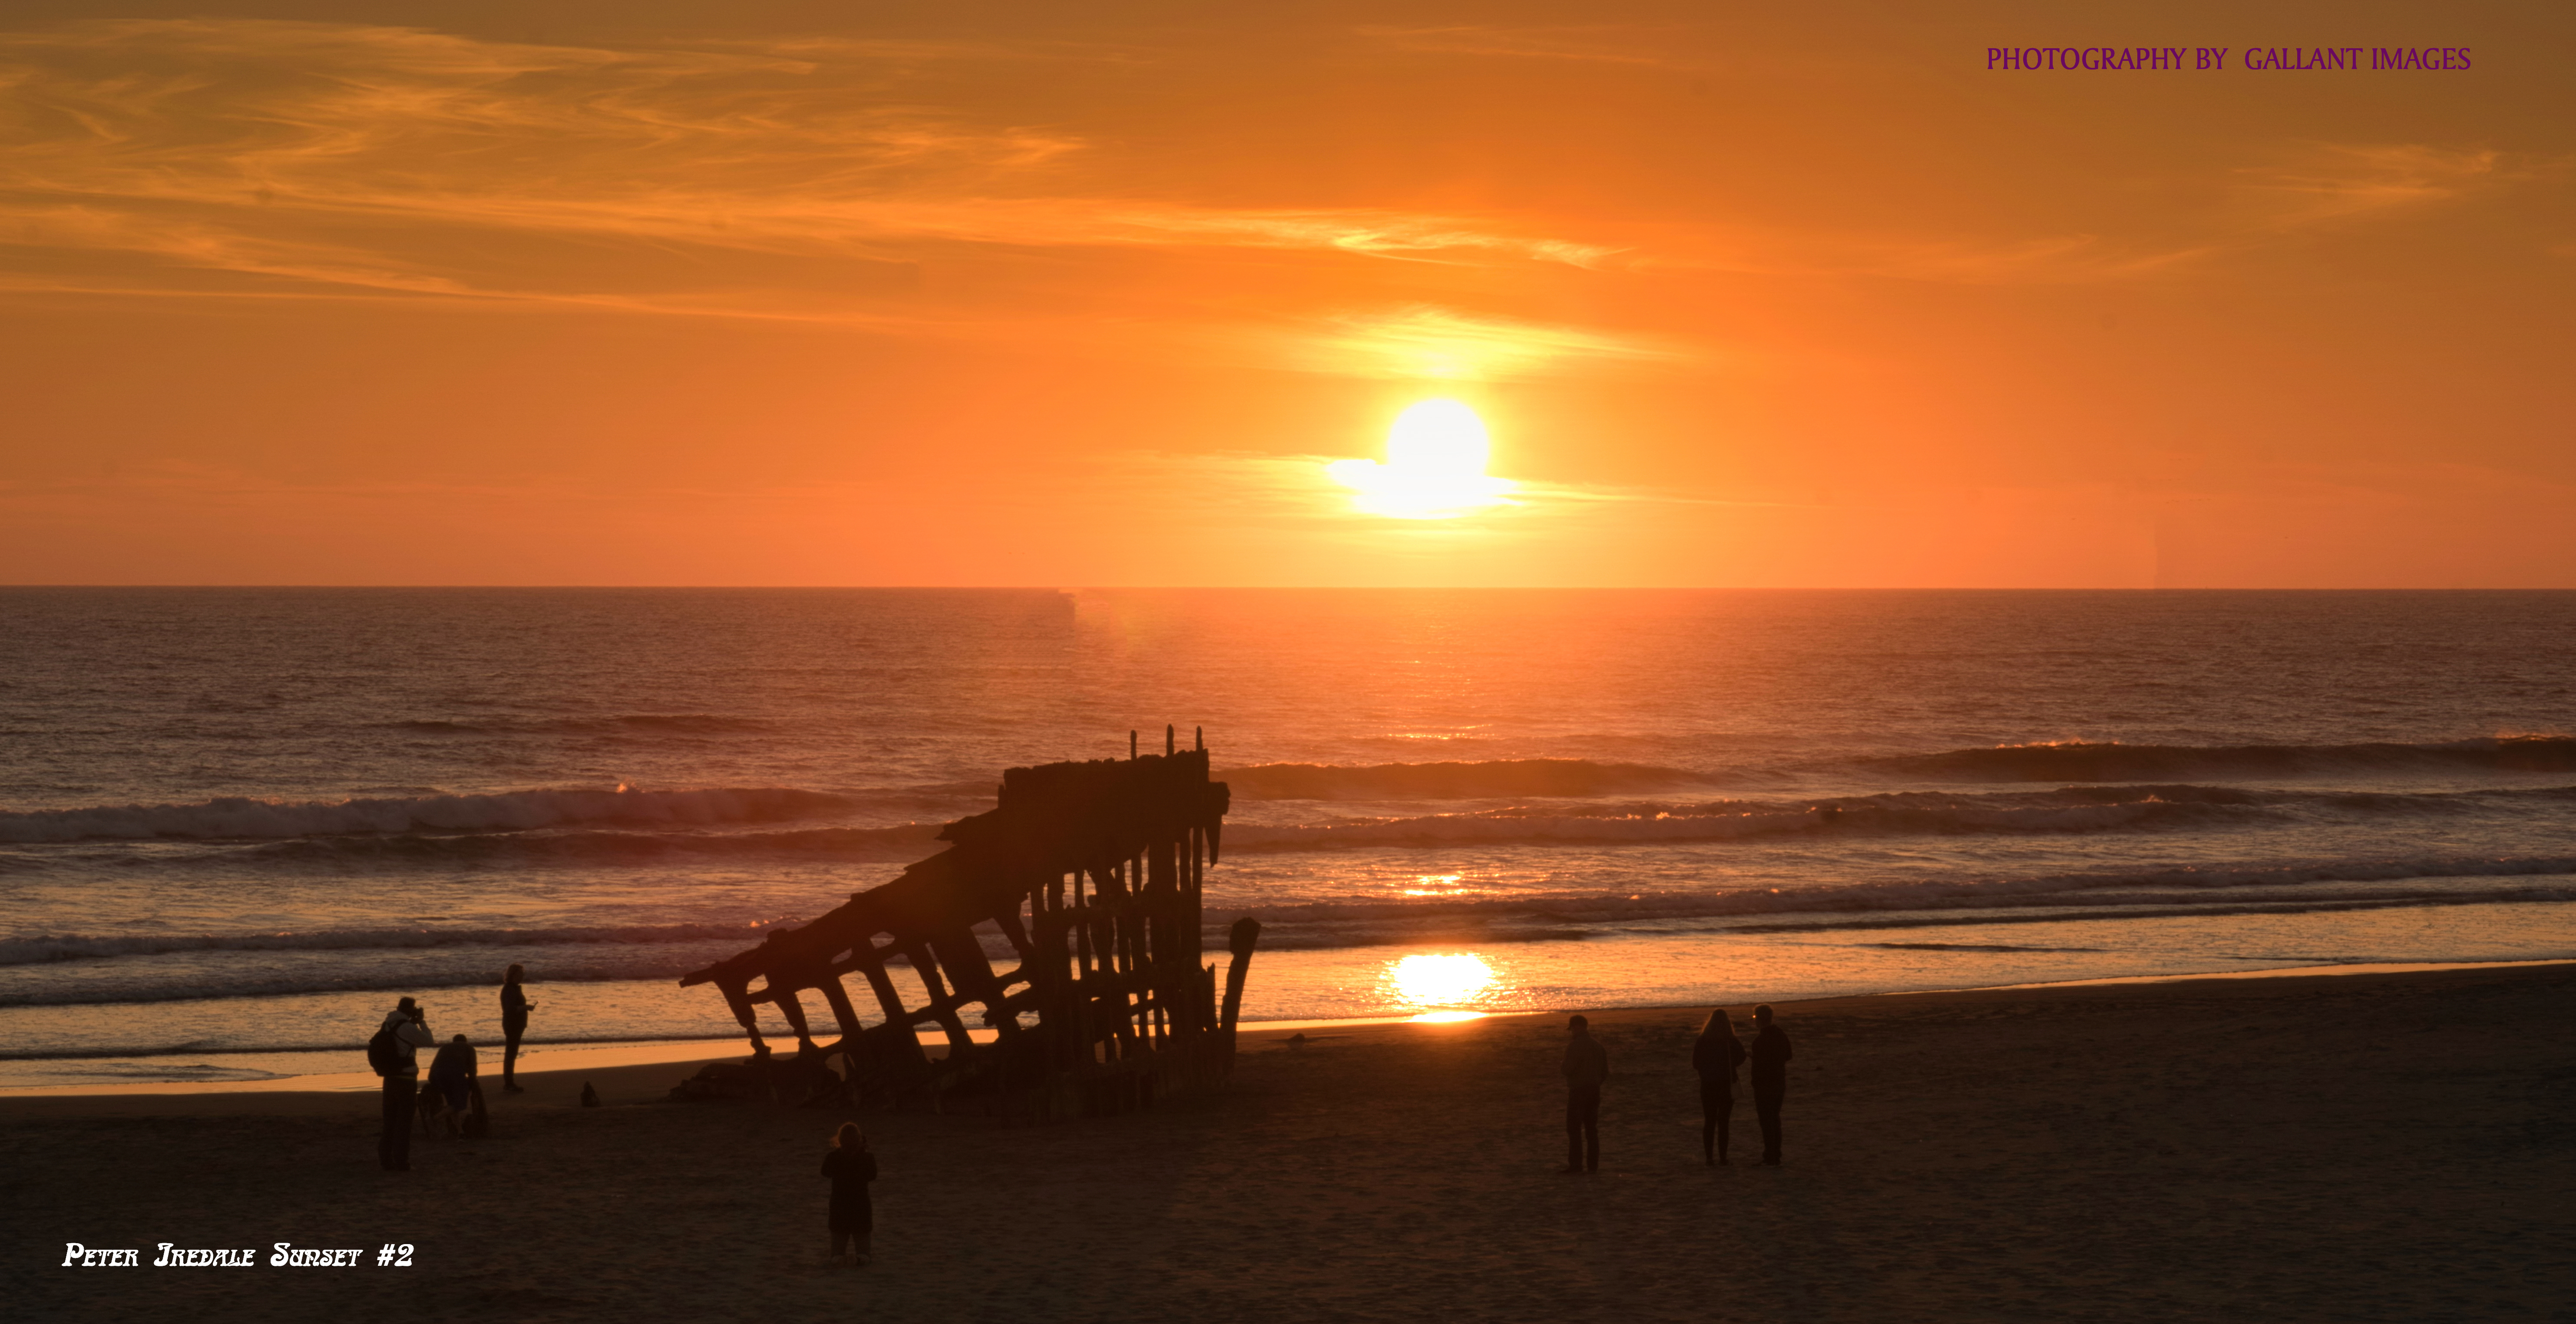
(1715, 1056)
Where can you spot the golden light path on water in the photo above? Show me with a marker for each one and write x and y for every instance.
(1439, 985)
(1436, 884)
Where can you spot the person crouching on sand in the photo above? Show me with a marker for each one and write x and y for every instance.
(851, 1167)
(451, 1074)
(1587, 1064)
(1714, 1055)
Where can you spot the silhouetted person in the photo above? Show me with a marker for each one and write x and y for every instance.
(451, 1074)
(851, 1167)
(1587, 1064)
(1715, 1055)
(410, 1026)
(1770, 1080)
(514, 1022)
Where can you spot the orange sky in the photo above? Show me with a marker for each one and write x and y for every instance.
(1036, 293)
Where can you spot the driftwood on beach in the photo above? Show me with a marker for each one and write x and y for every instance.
(1091, 874)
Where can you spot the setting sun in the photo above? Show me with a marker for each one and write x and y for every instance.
(1436, 454)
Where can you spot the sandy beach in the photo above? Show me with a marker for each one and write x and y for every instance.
(2361, 1147)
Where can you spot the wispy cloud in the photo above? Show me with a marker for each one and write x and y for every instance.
(387, 160)
(2044, 260)
(1429, 341)
(2249, 209)
(2334, 180)
(1626, 45)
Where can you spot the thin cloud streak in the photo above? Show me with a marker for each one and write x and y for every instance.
(2337, 180)
(1522, 43)
(268, 123)
(1440, 343)
(181, 153)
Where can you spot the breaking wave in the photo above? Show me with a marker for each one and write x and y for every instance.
(537, 829)
(246, 819)
(617, 966)
(78, 946)
(1452, 781)
(2065, 762)
(2080, 761)
(901, 843)
(683, 723)
(2303, 885)
(1521, 828)
(2074, 809)
(2170, 885)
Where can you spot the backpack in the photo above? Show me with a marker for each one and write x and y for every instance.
(383, 1056)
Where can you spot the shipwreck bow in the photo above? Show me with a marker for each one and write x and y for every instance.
(1066, 921)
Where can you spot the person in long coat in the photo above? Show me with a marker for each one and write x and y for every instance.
(1715, 1055)
(1770, 1081)
(1587, 1065)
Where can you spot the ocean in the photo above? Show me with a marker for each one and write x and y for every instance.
(235, 824)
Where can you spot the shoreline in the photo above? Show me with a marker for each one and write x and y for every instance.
(2361, 1148)
(247, 1038)
(621, 1061)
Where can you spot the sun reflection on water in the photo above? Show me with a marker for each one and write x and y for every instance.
(1440, 986)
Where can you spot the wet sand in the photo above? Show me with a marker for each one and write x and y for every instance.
(2364, 1147)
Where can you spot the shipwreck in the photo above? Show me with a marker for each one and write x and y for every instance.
(1066, 922)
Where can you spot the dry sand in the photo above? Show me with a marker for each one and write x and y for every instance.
(2366, 1147)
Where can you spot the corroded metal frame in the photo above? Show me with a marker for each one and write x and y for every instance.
(1091, 873)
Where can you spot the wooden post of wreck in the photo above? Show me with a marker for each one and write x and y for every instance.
(1246, 932)
(1066, 921)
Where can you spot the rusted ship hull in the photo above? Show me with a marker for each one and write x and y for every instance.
(1091, 874)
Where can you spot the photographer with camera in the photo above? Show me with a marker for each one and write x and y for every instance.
(392, 1053)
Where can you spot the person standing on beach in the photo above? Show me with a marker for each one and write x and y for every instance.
(1715, 1055)
(1587, 1064)
(1770, 1080)
(409, 1026)
(851, 1167)
(514, 1022)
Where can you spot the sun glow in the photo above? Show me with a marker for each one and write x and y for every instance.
(1435, 466)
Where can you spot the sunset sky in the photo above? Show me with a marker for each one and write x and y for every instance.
(1094, 294)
